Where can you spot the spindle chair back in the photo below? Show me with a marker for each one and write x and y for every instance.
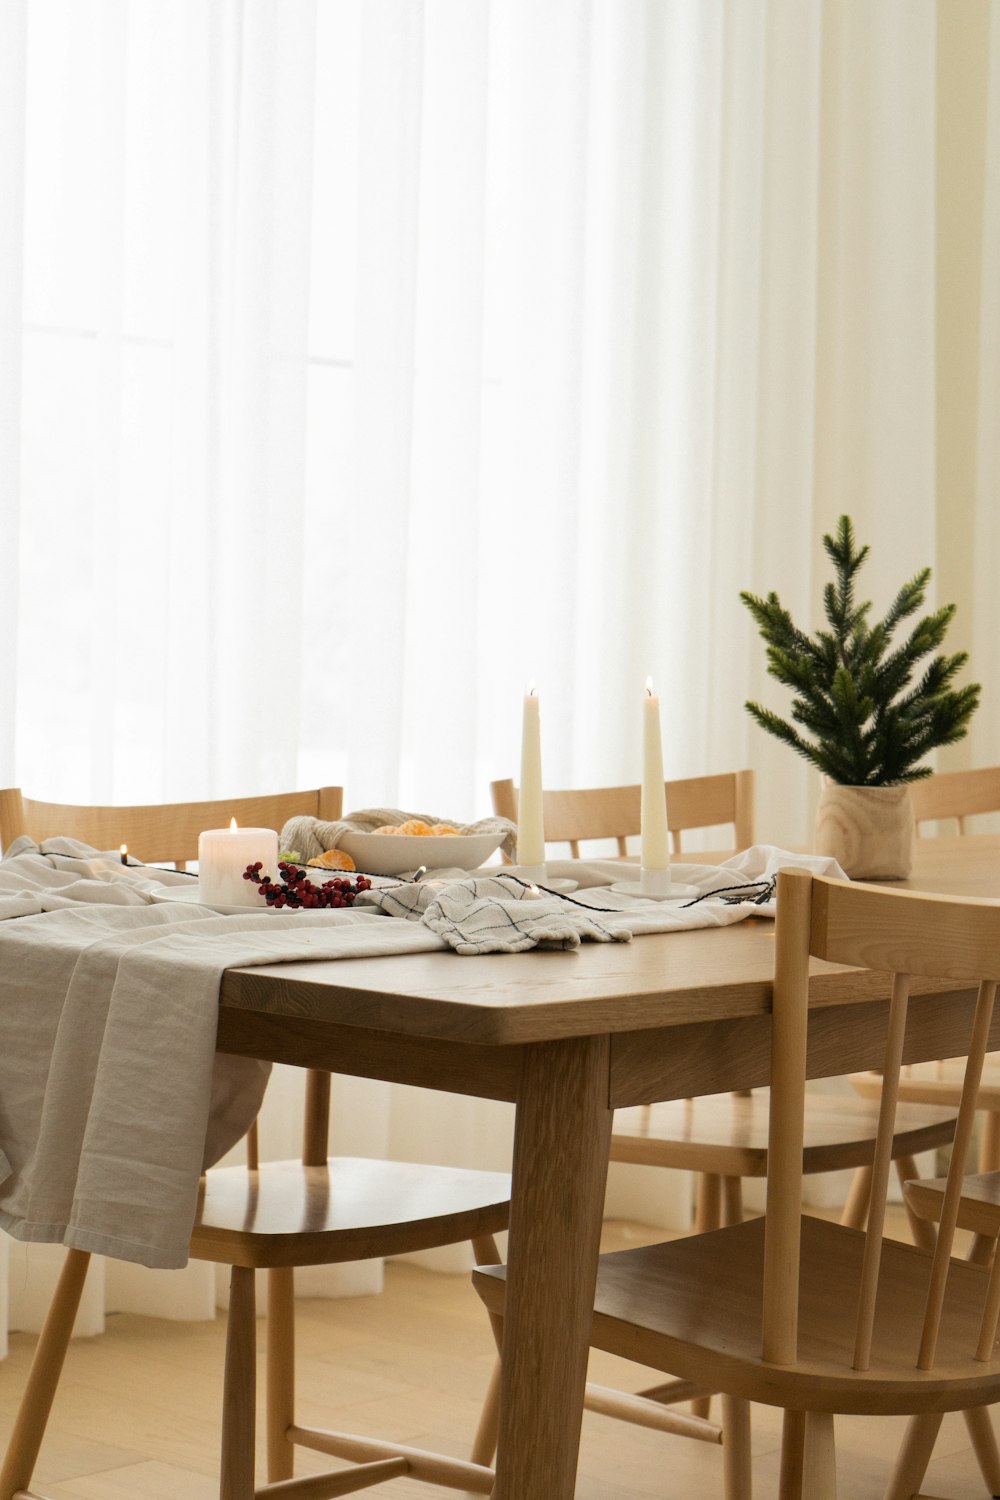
(796, 1312)
(614, 812)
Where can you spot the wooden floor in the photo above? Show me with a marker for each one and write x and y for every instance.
(138, 1410)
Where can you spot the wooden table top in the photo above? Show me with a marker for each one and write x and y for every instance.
(658, 980)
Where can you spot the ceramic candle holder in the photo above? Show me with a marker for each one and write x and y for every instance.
(656, 885)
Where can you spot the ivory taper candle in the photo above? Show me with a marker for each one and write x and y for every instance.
(655, 847)
(530, 819)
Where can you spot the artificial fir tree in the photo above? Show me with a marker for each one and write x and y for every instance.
(867, 725)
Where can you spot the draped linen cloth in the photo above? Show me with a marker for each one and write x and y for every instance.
(112, 1097)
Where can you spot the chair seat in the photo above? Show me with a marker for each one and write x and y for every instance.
(727, 1133)
(978, 1208)
(350, 1208)
(693, 1307)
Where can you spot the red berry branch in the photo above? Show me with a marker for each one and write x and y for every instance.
(296, 889)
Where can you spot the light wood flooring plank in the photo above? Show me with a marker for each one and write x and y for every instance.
(138, 1412)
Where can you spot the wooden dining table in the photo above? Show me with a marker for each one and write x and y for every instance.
(568, 1036)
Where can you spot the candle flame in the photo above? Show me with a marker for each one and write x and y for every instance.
(123, 851)
(232, 825)
(649, 687)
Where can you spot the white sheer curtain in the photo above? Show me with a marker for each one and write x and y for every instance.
(362, 359)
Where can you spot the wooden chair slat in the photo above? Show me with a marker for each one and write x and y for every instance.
(879, 1187)
(956, 1172)
(779, 1320)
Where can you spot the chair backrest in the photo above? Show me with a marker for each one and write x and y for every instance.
(164, 833)
(904, 934)
(956, 794)
(167, 833)
(614, 812)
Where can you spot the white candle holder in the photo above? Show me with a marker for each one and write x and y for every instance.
(656, 885)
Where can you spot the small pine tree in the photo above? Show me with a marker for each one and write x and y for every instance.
(853, 694)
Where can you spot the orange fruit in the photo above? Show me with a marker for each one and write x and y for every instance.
(415, 826)
(386, 828)
(333, 859)
(444, 830)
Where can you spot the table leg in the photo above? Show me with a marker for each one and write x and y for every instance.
(561, 1143)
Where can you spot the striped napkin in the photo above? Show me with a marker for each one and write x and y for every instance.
(499, 912)
(495, 914)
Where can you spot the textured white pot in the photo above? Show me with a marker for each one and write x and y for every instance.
(868, 830)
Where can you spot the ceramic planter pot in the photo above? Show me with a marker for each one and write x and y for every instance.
(868, 830)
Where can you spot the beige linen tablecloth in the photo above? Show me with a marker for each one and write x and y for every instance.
(112, 1097)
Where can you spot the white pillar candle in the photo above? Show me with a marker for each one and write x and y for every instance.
(223, 855)
(530, 820)
(655, 848)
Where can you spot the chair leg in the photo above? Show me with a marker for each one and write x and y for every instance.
(732, 1200)
(981, 1250)
(924, 1234)
(989, 1143)
(239, 1389)
(913, 1457)
(484, 1444)
(43, 1379)
(707, 1216)
(708, 1205)
(858, 1199)
(737, 1479)
(793, 1451)
(820, 1469)
(984, 1442)
(280, 1372)
(808, 1457)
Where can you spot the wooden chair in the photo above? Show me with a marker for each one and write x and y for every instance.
(613, 812)
(163, 833)
(813, 1317)
(955, 795)
(952, 797)
(271, 1215)
(723, 1138)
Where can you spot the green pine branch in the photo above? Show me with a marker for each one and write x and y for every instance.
(865, 711)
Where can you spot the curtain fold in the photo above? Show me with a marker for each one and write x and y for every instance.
(13, 76)
(986, 658)
(365, 359)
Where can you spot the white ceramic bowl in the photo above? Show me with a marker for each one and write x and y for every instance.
(394, 853)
